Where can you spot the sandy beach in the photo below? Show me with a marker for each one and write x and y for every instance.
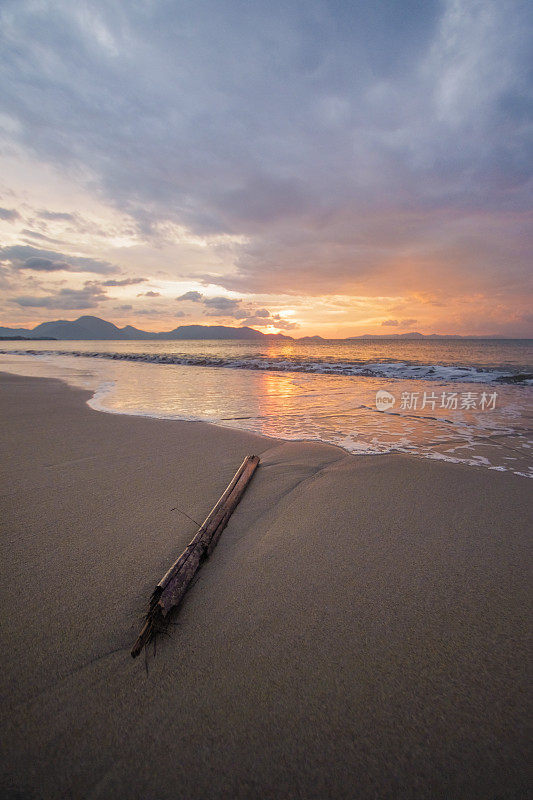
(359, 632)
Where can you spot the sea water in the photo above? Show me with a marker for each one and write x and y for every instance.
(467, 401)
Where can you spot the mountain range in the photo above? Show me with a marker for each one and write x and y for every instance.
(93, 328)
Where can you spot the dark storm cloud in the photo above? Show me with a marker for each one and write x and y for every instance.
(300, 126)
(24, 257)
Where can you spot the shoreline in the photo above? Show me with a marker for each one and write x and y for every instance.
(93, 403)
(506, 448)
(359, 630)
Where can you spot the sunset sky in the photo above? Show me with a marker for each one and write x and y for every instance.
(305, 166)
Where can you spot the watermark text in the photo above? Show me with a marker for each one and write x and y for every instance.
(452, 401)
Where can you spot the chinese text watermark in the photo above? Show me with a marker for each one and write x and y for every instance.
(452, 401)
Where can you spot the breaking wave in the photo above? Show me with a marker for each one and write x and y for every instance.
(373, 369)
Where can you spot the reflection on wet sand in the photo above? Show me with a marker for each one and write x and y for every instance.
(340, 410)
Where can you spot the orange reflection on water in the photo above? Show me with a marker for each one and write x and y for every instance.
(277, 394)
(283, 349)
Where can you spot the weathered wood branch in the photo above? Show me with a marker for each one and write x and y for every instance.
(173, 585)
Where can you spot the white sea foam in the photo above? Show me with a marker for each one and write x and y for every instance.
(337, 407)
(401, 370)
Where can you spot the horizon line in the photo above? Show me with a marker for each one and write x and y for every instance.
(280, 334)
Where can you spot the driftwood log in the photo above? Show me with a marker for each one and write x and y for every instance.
(173, 585)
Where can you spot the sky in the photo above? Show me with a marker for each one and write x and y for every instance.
(303, 166)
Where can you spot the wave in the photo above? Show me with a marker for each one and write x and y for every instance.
(391, 370)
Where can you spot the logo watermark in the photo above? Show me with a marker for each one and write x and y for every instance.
(384, 400)
(452, 401)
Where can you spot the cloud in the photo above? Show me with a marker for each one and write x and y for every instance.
(40, 264)
(283, 324)
(57, 215)
(69, 299)
(155, 312)
(253, 321)
(24, 257)
(5, 282)
(125, 307)
(262, 317)
(123, 281)
(224, 307)
(395, 323)
(194, 297)
(258, 316)
(37, 235)
(233, 308)
(9, 214)
(222, 304)
(351, 147)
(149, 294)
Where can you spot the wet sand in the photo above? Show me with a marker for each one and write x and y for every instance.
(359, 632)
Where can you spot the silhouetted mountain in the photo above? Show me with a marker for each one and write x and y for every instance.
(413, 335)
(83, 328)
(93, 328)
(10, 332)
(416, 335)
(27, 339)
(134, 334)
(212, 332)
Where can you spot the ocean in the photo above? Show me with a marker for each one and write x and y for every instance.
(465, 401)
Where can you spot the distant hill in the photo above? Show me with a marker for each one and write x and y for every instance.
(10, 333)
(27, 339)
(82, 328)
(93, 328)
(416, 335)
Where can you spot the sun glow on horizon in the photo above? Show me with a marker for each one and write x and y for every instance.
(391, 202)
